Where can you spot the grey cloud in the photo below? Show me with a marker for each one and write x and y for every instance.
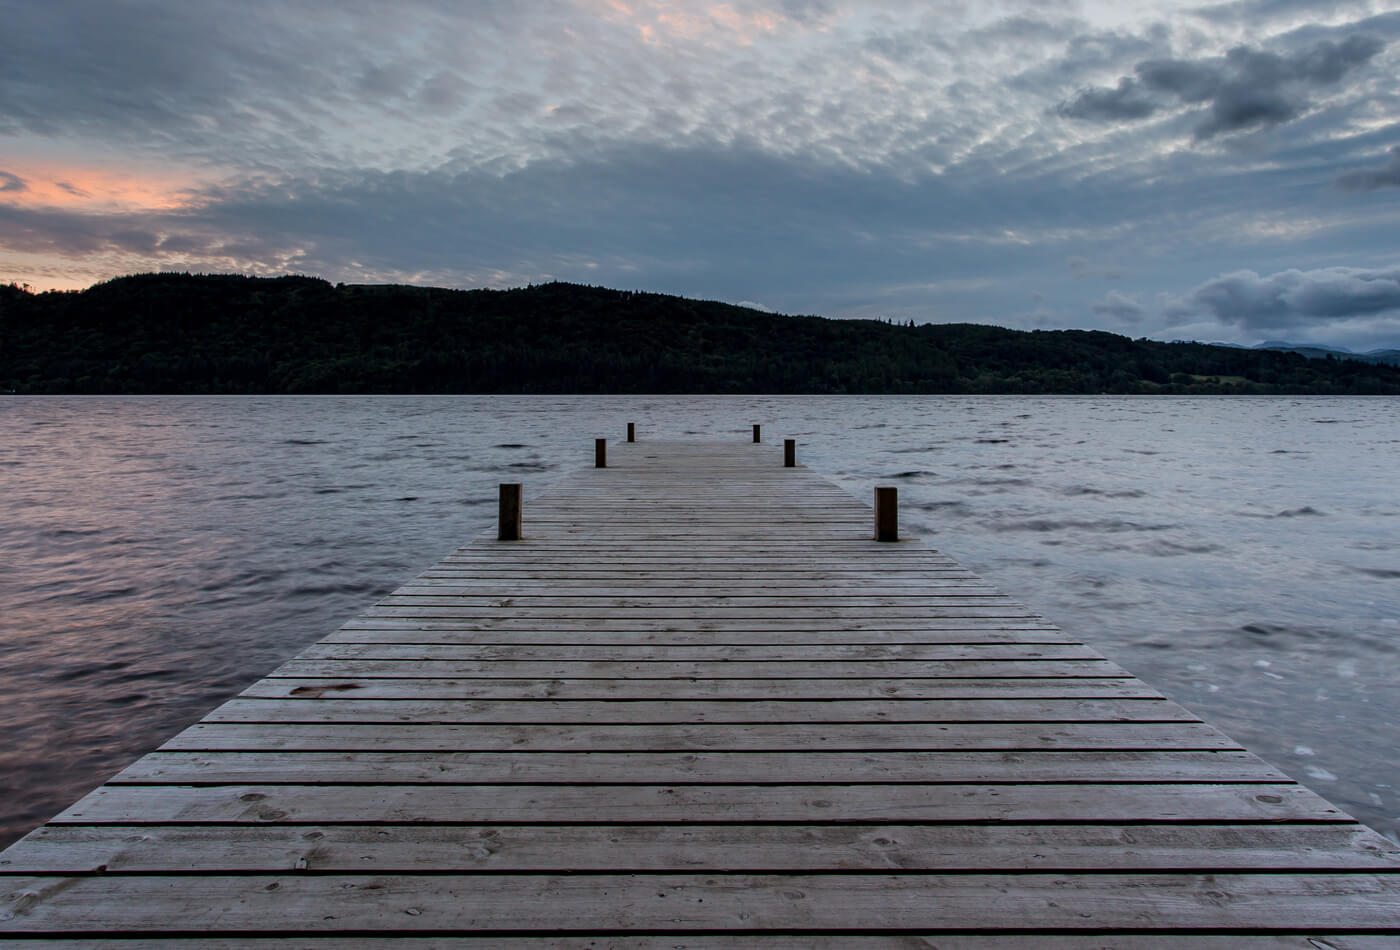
(807, 11)
(1328, 62)
(1081, 268)
(135, 240)
(1022, 29)
(147, 239)
(9, 182)
(1188, 81)
(58, 232)
(734, 224)
(291, 88)
(163, 75)
(1294, 298)
(1240, 106)
(1385, 25)
(1129, 100)
(443, 90)
(1246, 89)
(189, 244)
(1121, 307)
(1255, 12)
(897, 48)
(270, 85)
(1369, 179)
(386, 81)
(1088, 52)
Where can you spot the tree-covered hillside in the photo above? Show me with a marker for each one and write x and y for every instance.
(170, 333)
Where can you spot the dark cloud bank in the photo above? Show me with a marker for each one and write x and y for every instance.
(1369, 179)
(1245, 89)
(1295, 299)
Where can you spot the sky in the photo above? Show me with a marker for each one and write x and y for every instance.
(1220, 171)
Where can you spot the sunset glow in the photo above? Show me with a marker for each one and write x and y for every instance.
(98, 189)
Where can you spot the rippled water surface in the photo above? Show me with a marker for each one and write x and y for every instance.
(158, 554)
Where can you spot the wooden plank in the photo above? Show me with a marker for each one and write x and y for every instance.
(440, 631)
(738, 903)
(525, 595)
(766, 941)
(535, 555)
(562, 583)
(1084, 803)
(696, 652)
(737, 670)
(729, 603)
(696, 689)
(704, 561)
(658, 768)
(614, 588)
(790, 614)
(388, 848)
(448, 711)
(767, 623)
(788, 737)
(468, 567)
(763, 630)
(574, 577)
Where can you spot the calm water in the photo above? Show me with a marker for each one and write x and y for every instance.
(159, 554)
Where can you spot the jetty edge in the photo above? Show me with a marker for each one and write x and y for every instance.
(695, 702)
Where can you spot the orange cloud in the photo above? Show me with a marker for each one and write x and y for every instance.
(96, 188)
(718, 21)
(707, 24)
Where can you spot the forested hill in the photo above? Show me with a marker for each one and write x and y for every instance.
(228, 334)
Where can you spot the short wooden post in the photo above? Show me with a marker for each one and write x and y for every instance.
(600, 453)
(510, 513)
(886, 513)
(789, 453)
(631, 432)
(755, 433)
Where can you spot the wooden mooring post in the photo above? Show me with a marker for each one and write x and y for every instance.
(510, 512)
(631, 432)
(600, 453)
(755, 433)
(789, 453)
(886, 513)
(700, 708)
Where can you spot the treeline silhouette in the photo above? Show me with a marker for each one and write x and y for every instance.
(181, 333)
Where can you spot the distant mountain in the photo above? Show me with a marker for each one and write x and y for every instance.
(177, 333)
(1286, 345)
(1318, 351)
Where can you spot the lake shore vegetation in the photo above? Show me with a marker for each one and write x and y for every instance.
(196, 334)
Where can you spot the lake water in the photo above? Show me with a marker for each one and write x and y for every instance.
(159, 554)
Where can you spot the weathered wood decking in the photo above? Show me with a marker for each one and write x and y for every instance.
(697, 706)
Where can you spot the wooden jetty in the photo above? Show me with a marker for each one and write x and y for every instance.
(698, 705)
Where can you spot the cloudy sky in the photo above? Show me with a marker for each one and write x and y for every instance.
(1226, 171)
